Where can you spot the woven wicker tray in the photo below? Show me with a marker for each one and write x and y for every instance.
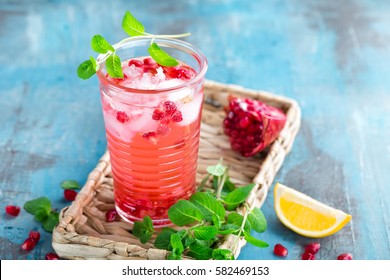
(83, 233)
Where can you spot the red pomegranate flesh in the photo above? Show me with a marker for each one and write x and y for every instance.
(252, 125)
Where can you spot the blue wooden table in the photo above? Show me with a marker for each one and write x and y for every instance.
(333, 57)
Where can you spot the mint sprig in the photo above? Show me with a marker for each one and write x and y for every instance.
(208, 219)
(132, 27)
(42, 210)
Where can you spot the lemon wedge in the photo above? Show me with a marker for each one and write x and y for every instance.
(305, 215)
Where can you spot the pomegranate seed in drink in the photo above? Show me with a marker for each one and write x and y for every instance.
(52, 256)
(12, 210)
(122, 117)
(28, 244)
(280, 250)
(177, 116)
(158, 114)
(308, 256)
(111, 215)
(345, 256)
(70, 195)
(136, 62)
(35, 235)
(170, 107)
(312, 248)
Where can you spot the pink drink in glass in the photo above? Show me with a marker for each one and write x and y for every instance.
(152, 120)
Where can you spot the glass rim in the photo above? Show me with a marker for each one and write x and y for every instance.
(173, 43)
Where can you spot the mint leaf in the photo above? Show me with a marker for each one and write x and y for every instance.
(86, 70)
(228, 229)
(205, 232)
(238, 196)
(176, 244)
(50, 223)
(216, 170)
(257, 220)
(228, 186)
(143, 230)
(209, 205)
(200, 251)
(41, 214)
(39, 203)
(254, 241)
(94, 63)
(216, 220)
(163, 239)
(161, 57)
(132, 26)
(222, 254)
(184, 212)
(70, 185)
(114, 66)
(237, 219)
(100, 45)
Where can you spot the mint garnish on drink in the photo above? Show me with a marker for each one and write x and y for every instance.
(113, 63)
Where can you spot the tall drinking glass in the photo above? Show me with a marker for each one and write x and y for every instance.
(152, 127)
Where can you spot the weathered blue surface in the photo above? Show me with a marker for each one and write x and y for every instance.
(331, 56)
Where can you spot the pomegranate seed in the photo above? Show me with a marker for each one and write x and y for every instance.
(158, 114)
(346, 256)
(170, 107)
(149, 61)
(70, 195)
(35, 235)
(151, 136)
(150, 68)
(308, 256)
(312, 248)
(177, 116)
(136, 62)
(122, 117)
(280, 250)
(28, 244)
(163, 130)
(12, 210)
(52, 256)
(111, 215)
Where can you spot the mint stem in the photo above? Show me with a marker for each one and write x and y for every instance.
(241, 228)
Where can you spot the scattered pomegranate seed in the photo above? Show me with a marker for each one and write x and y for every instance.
(12, 210)
(28, 244)
(170, 107)
(35, 235)
(308, 256)
(158, 114)
(122, 117)
(111, 215)
(136, 62)
(312, 248)
(177, 116)
(280, 250)
(345, 256)
(70, 195)
(52, 256)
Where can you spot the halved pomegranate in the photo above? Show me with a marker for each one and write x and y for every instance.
(252, 125)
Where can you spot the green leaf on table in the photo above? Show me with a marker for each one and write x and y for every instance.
(143, 230)
(41, 214)
(184, 212)
(228, 229)
(208, 204)
(222, 254)
(216, 170)
(254, 241)
(100, 45)
(32, 206)
(161, 57)
(257, 220)
(200, 251)
(70, 185)
(205, 232)
(114, 66)
(237, 219)
(238, 196)
(132, 26)
(50, 223)
(86, 69)
(163, 239)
